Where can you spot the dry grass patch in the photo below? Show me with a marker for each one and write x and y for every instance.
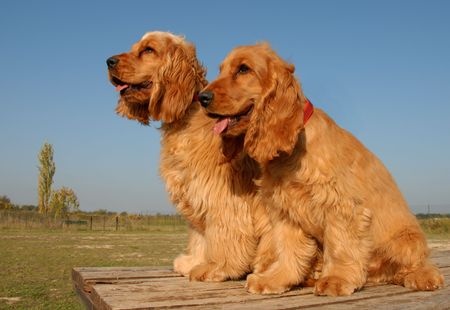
(36, 265)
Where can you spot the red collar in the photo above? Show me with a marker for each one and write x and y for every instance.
(308, 110)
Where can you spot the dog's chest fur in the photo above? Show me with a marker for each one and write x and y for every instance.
(198, 176)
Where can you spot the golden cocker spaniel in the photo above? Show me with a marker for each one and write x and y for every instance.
(209, 182)
(324, 190)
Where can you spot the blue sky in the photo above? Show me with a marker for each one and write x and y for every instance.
(381, 69)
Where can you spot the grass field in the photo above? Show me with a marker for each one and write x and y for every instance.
(436, 227)
(35, 264)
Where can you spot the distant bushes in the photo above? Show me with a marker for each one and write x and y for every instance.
(27, 217)
(436, 226)
(104, 221)
(432, 215)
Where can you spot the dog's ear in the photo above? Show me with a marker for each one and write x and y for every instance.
(277, 120)
(137, 112)
(179, 79)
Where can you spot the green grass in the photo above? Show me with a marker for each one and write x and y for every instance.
(436, 227)
(35, 265)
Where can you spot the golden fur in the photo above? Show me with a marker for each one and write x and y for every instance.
(323, 188)
(208, 178)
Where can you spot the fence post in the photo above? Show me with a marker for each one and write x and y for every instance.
(90, 223)
(117, 223)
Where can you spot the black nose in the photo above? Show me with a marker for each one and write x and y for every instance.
(112, 62)
(205, 98)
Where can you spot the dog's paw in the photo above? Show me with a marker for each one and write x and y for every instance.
(259, 284)
(426, 278)
(208, 272)
(183, 264)
(333, 286)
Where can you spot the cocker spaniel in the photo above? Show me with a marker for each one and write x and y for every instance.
(324, 189)
(209, 180)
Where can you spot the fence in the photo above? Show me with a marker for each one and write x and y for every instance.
(106, 222)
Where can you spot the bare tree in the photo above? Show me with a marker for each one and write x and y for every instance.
(46, 172)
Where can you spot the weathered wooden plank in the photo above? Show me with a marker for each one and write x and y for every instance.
(85, 296)
(410, 300)
(128, 272)
(167, 293)
(374, 297)
(150, 287)
(86, 277)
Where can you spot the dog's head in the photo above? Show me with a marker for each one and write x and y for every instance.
(157, 79)
(257, 95)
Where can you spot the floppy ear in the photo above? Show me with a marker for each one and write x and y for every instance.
(179, 79)
(276, 122)
(137, 112)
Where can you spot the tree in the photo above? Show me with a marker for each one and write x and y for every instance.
(46, 172)
(5, 203)
(63, 201)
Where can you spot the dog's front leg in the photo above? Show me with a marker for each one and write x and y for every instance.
(347, 248)
(195, 254)
(294, 253)
(230, 247)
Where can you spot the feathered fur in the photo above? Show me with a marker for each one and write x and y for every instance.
(324, 190)
(208, 178)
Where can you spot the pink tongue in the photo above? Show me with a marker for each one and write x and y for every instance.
(221, 125)
(121, 87)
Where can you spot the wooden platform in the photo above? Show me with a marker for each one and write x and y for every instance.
(149, 287)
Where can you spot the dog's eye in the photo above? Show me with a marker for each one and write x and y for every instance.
(242, 69)
(147, 50)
